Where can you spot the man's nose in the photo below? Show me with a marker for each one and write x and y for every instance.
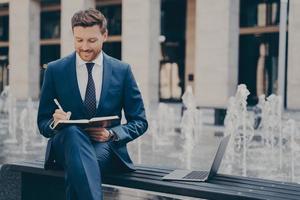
(85, 46)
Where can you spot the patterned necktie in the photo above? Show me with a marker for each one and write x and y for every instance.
(90, 93)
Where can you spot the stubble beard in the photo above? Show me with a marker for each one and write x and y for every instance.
(92, 55)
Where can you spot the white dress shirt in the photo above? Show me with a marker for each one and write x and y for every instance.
(82, 75)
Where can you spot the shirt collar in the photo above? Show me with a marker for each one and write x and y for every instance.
(98, 60)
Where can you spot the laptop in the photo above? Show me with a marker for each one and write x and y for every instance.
(201, 176)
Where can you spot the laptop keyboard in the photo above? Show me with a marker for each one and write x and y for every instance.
(196, 175)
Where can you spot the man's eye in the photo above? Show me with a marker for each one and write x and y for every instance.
(79, 40)
(92, 41)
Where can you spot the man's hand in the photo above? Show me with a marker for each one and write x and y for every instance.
(60, 115)
(98, 134)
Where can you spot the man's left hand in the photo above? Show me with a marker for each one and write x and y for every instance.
(98, 134)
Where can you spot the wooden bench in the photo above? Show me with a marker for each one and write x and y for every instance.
(38, 183)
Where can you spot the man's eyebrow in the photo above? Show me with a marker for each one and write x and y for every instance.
(92, 38)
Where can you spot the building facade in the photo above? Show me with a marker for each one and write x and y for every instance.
(211, 45)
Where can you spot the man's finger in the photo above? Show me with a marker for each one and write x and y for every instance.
(58, 111)
(94, 129)
(96, 134)
(59, 116)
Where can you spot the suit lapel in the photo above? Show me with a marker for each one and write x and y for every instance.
(74, 84)
(107, 71)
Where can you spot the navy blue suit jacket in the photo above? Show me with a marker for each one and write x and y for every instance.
(119, 91)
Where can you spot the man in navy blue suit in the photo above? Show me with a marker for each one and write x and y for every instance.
(88, 83)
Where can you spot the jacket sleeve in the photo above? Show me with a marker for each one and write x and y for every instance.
(134, 112)
(46, 105)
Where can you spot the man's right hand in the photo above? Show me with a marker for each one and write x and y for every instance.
(60, 115)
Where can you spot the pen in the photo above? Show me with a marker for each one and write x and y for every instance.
(58, 105)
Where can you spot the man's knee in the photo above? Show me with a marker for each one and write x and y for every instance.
(69, 129)
(72, 134)
(104, 155)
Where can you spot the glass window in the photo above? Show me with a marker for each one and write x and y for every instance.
(4, 6)
(3, 67)
(259, 64)
(171, 85)
(113, 14)
(48, 53)
(47, 2)
(258, 53)
(259, 12)
(113, 49)
(50, 25)
(4, 28)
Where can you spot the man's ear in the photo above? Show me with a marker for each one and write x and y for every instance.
(105, 35)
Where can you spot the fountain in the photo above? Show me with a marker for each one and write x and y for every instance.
(289, 130)
(19, 133)
(166, 124)
(190, 124)
(262, 141)
(238, 123)
(4, 110)
(31, 138)
(11, 105)
(263, 144)
(3, 100)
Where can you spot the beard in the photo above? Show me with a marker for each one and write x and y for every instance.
(88, 55)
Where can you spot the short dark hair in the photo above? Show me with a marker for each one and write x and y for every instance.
(89, 17)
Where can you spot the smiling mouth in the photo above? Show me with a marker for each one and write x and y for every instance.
(86, 53)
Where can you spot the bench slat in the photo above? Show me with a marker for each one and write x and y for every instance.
(241, 180)
(149, 178)
(250, 184)
(279, 192)
(258, 184)
(260, 180)
(180, 188)
(243, 188)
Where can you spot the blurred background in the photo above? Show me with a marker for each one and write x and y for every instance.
(208, 46)
(211, 45)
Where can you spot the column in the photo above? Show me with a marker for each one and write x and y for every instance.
(24, 48)
(190, 42)
(217, 36)
(140, 44)
(68, 9)
(293, 70)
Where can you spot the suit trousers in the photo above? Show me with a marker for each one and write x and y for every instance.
(84, 161)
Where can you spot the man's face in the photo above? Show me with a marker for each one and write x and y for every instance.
(88, 41)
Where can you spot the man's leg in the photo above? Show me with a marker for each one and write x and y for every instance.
(74, 151)
(107, 160)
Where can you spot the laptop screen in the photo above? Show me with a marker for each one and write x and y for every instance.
(219, 156)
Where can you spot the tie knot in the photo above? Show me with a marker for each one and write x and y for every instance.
(89, 67)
